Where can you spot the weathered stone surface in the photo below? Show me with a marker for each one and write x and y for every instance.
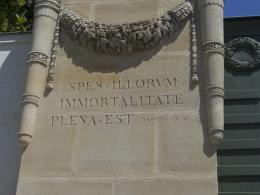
(126, 149)
(130, 124)
(43, 186)
(52, 151)
(84, 10)
(191, 157)
(135, 11)
(167, 186)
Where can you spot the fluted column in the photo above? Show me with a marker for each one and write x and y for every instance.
(45, 19)
(213, 55)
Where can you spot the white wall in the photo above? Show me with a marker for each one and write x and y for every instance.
(13, 53)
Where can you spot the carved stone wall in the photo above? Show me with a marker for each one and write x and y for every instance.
(118, 124)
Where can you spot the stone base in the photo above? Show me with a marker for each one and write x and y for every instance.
(181, 185)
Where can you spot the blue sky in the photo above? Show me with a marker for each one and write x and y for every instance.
(235, 8)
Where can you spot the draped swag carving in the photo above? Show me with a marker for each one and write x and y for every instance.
(123, 39)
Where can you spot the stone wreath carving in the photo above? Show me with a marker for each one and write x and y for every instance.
(125, 38)
(234, 58)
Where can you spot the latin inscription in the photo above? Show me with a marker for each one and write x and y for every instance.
(82, 120)
(117, 101)
(151, 83)
(82, 97)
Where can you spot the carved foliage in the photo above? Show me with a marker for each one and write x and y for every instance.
(243, 54)
(124, 39)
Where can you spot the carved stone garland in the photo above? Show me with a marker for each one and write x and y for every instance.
(115, 40)
(125, 38)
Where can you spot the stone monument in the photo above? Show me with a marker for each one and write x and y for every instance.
(123, 97)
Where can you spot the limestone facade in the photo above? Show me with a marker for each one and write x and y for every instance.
(128, 124)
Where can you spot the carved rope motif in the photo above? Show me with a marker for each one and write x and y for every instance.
(52, 4)
(55, 44)
(213, 130)
(52, 8)
(219, 3)
(214, 91)
(194, 47)
(38, 57)
(213, 47)
(126, 38)
(31, 99)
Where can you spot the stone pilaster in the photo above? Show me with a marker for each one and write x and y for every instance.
(45, 13)
(213, 53)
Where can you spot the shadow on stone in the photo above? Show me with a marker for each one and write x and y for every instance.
(104, 63)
